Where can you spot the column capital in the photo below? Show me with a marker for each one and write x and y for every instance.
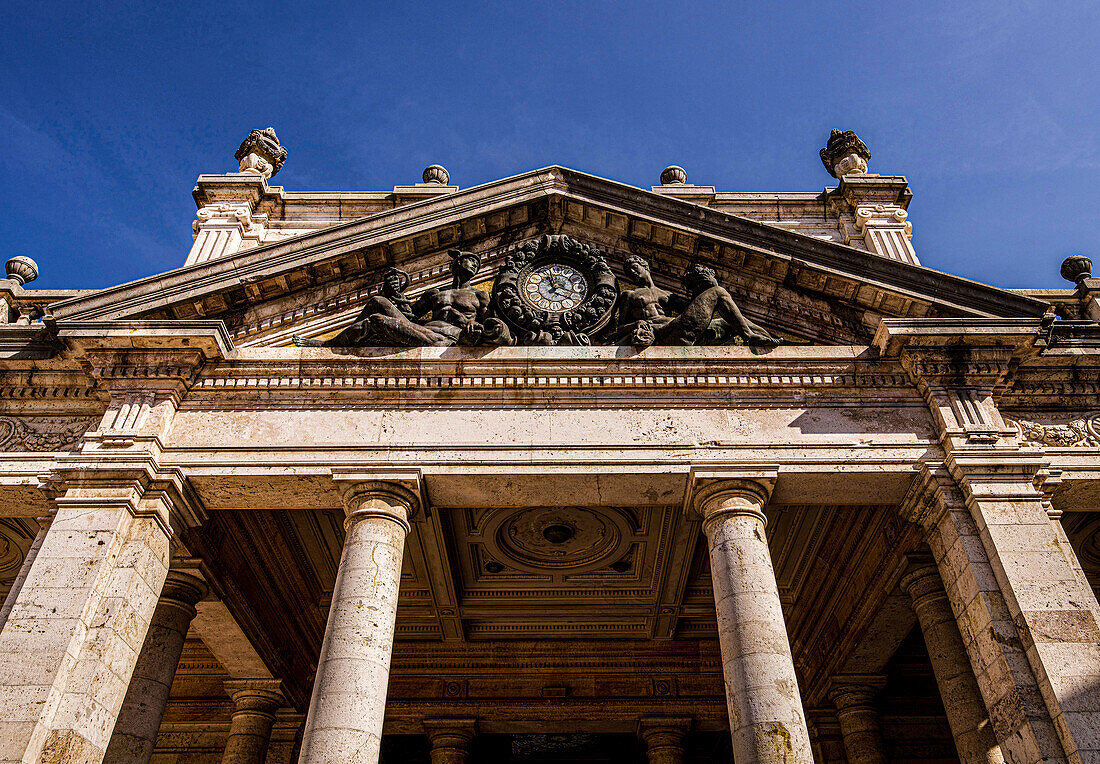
(397, 495)
(921, 580)
(715, 491)
(185, 587)
(850, 691)
(658, 727)
(450, 733)
(264, 696)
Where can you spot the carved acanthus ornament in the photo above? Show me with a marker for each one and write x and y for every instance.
(551, 291)
(224, 228)
(41, 433)
(1078, 432)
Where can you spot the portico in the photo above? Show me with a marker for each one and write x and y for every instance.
(850, 527)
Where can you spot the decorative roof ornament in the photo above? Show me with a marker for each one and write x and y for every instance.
(436, 174)
(261, 153)
(21, 269)
(1076, 268)
(845, 154)
(674, 174)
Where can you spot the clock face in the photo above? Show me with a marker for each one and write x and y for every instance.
(554, 287)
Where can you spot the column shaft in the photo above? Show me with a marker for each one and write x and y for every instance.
(135, 733)
(256, 702)
(349, 691)
(962, 700)
(1026, 617)
(76, 629)
(859, 723)
(767, 722)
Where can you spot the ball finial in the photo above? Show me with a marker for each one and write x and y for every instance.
(1076, 268)
(21, 269)
(673, 174)
(437, 174)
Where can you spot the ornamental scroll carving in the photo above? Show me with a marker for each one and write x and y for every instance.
(54, 433)
(1078, 432)
(551, 291)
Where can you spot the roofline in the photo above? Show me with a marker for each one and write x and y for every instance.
(244, 267)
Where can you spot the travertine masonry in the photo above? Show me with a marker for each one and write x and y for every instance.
(766, 717)
(73, 638)
(962, 700)
(135, 732)
(344, 724)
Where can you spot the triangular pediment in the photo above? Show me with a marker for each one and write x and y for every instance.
(797, 286)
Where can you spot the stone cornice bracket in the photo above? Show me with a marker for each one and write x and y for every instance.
(397, 495)
(147, 367)
(135, 482)
(961, 366)
(720, 491)
(930, 495)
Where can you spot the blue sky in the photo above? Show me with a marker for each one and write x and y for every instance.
(110, 111)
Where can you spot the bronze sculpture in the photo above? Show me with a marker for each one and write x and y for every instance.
(551, 291)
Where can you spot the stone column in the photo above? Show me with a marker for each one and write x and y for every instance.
(962, 700)
(664, 739)
(135, 733)
(24, 570)
(344, 723)
(767, 722)
(450, 739)
(1025, 615)
(74, 634)
(255, 703)
(854, 697)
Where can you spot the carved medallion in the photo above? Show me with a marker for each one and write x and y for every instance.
(571, 539)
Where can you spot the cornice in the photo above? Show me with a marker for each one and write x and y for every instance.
(324, 377)
(356, 237)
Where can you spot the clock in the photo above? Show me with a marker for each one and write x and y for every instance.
(554, 287)
(555, 290)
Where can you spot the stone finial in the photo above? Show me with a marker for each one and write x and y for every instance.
(1075, 268)
(436, 174)
(673, 174)
(845, 154)
(21, 269)
(261, 153)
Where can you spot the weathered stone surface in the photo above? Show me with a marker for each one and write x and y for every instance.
(135, 731)
(349, 692)
(766, 717)
(72, 639)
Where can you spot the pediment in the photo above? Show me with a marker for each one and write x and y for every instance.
(798, 287)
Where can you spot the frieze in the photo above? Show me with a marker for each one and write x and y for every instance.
(553, 290)
(1082, 431)
(42, 433)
